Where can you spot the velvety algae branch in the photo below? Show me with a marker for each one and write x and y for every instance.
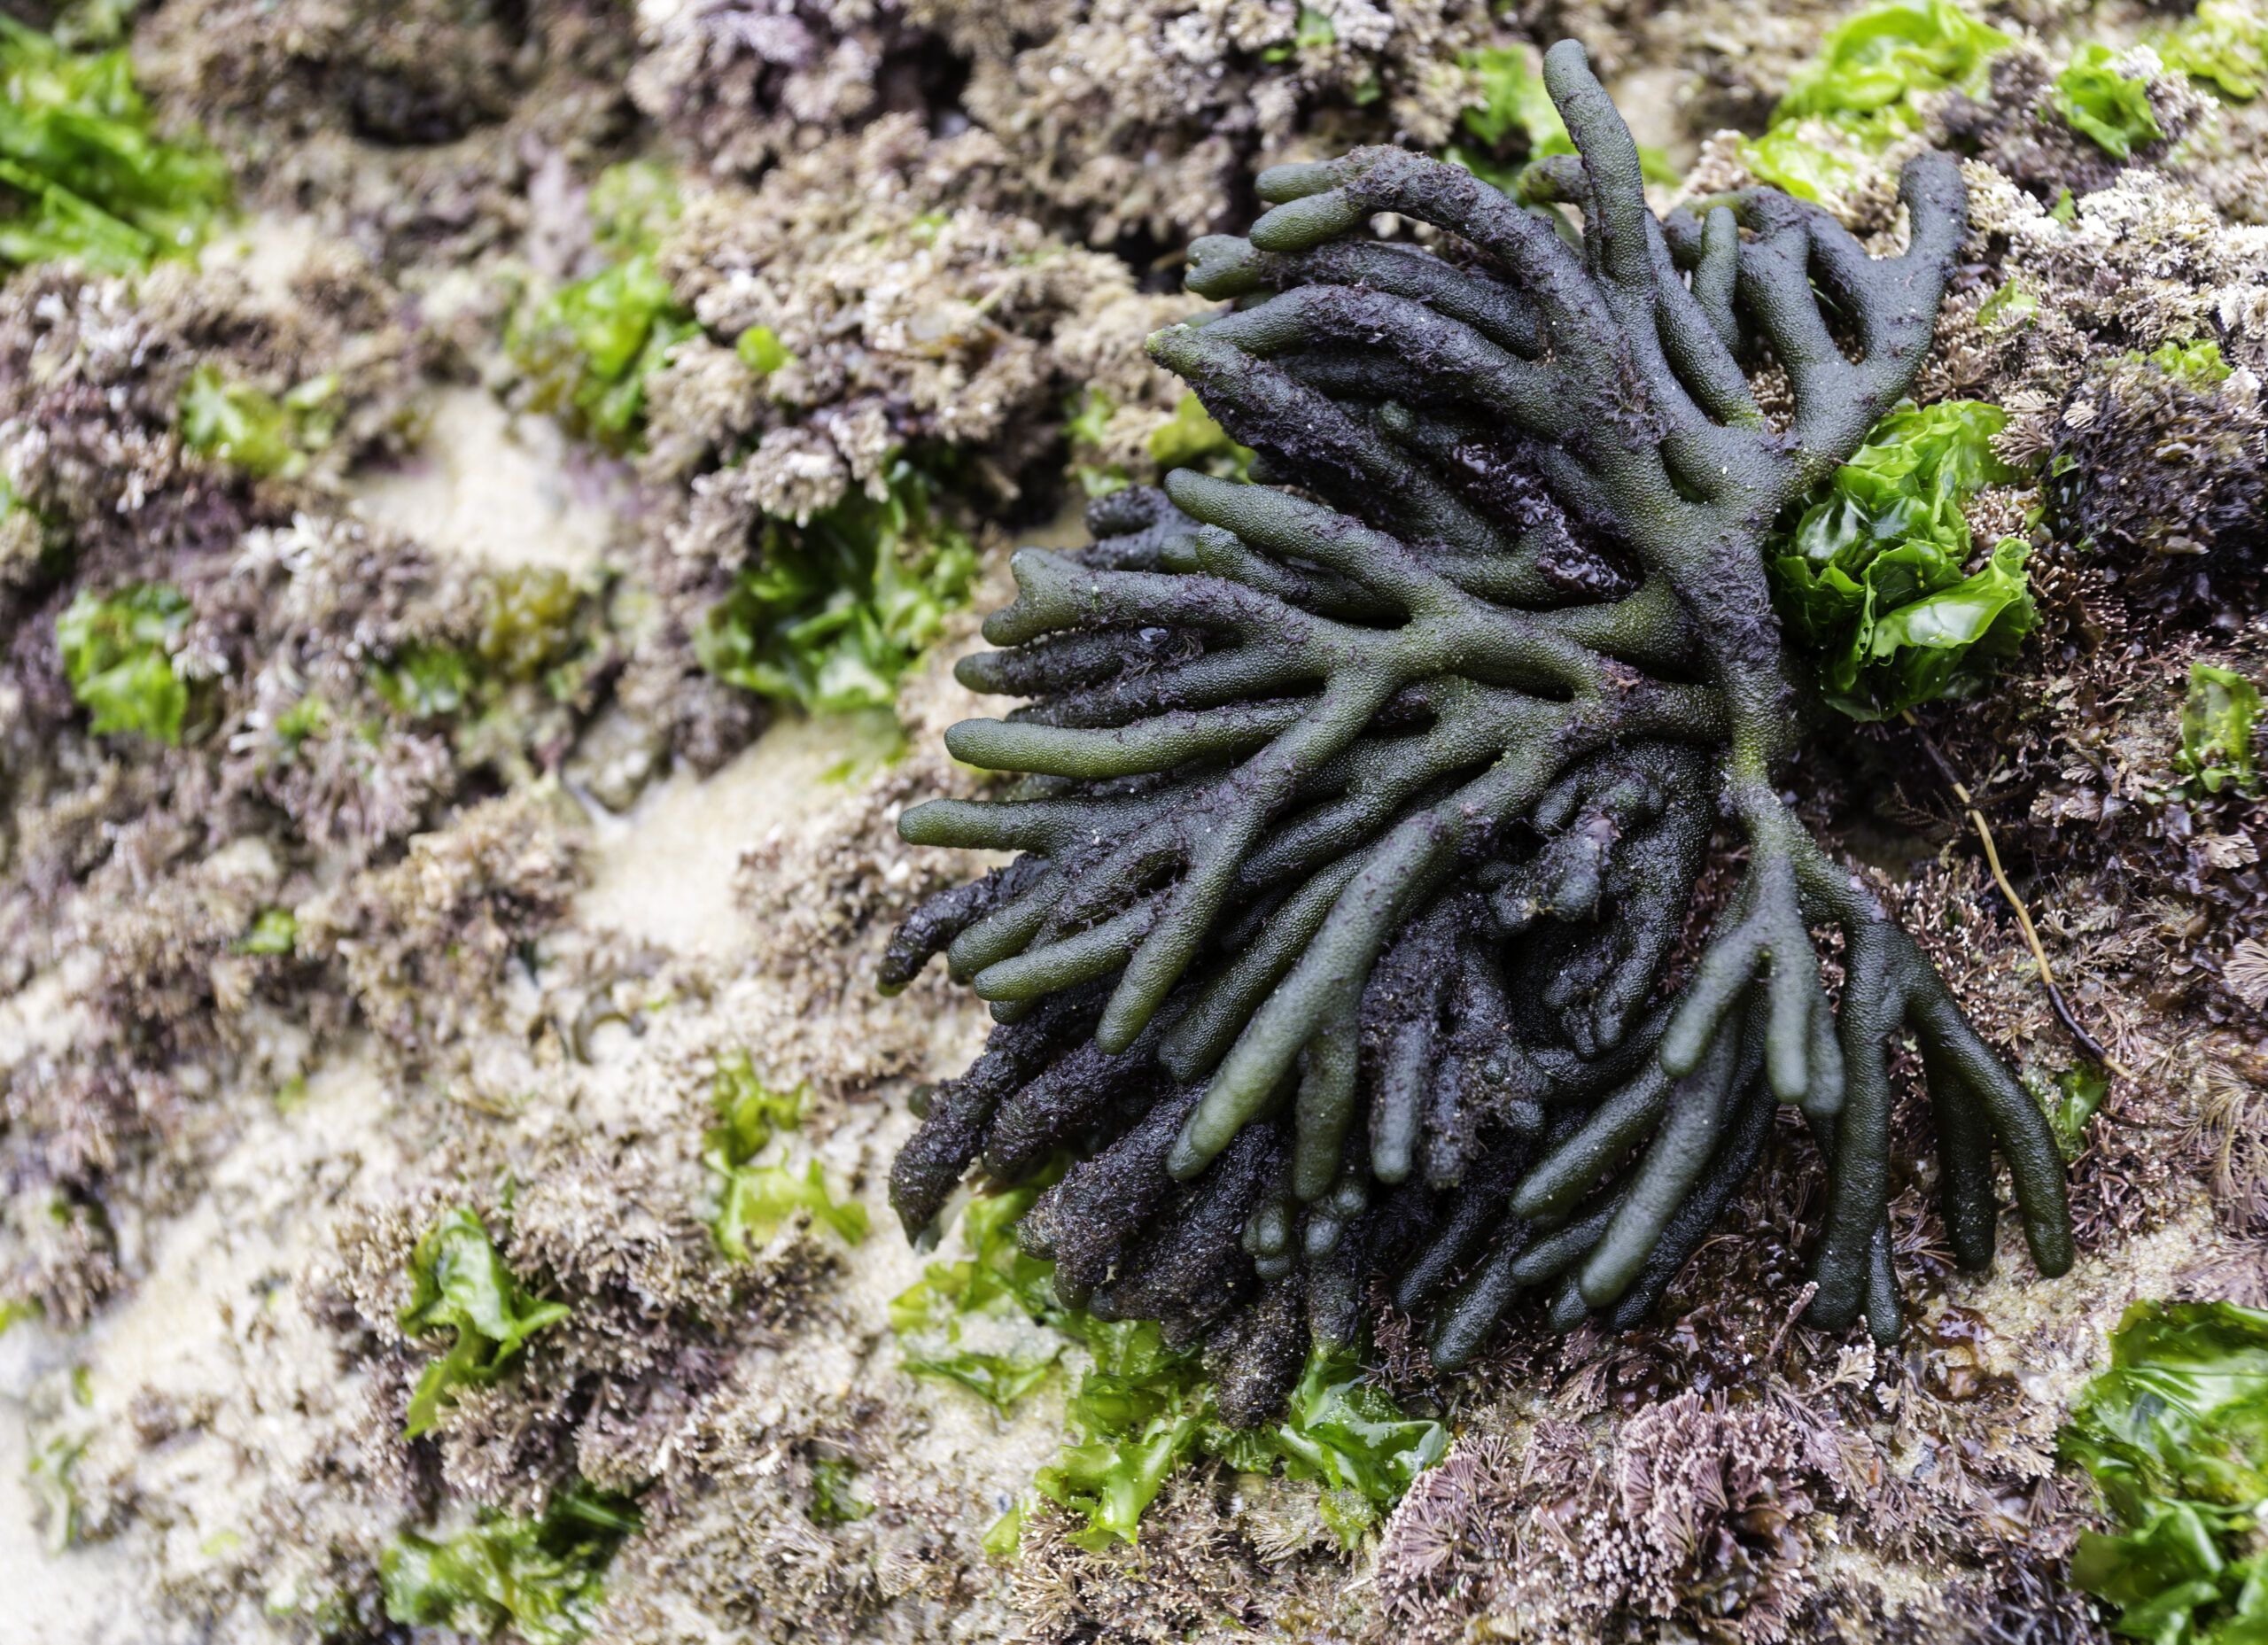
(1359, 810)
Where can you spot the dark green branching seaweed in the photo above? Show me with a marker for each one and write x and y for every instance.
(1360, 809)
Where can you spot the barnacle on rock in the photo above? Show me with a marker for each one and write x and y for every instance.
(1358, 818)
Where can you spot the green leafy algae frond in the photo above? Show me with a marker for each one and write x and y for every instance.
(542, 1577)
(1873, 62)
(1872, 576)
(2197, 366)
(82, 172)
(459, 1282)
(589, 348)
(834, 1499)
(2101, 103)
(118, 651)
(2223, 44)
(1144, 1408)
(1193, 440)
(2216, 723)
(539, 633)
(274, 931)
(1861, 85)
(939, 1318)
(834, 610)
(1514, 115)
(749, 1197)
(253, 430)
(425, 681)
(2176, 1434)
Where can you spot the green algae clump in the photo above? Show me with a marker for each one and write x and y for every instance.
(932, 1316)
(1876, 59)
(1872, 575)
(543, 1578)
(254, 430)
(588, 347)
(117, 651)
(748, 1197)
(2217, 719)
(2105, 106)
(1144, 1408)
(832, 611)
(459, 1282)
(2224, 44)
(1859, 89)
(2176, 1435)
(83, 174)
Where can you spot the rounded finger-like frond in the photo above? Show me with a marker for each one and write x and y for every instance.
(1358, 813)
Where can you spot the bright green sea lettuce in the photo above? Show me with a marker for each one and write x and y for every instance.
(1513, 101)
(1871, 575)
(1193, 440)
(118, 650)
(748, 1197)
(274, 931)
(543, 1577)
(1346, 1433)
(459, 1282)
(2012, 306)
(762, 351)
(834, 1499)
(1310, 30)
(2217, 719)
(2176, 1434)
(2197, 366)
(2080, 1092)
(752, 1201)
(1144, 1409)
(1086, 418)
(2100, 103)
(253, 430)
(1862, 84)
(1788, 160)
(425, 681)
(749, 1112)
(1138, 1415)
(592, 344)
(2224, 43)
(589, 348)
(82, 172)
(932, 1316)
(1872, 62)
(829, 614)
(2071, 1099)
